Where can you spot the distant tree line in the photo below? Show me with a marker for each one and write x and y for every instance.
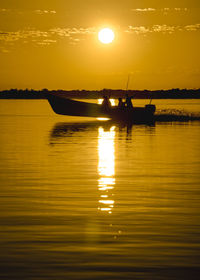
(174, 93)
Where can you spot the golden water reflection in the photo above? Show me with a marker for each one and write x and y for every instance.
(106, 168)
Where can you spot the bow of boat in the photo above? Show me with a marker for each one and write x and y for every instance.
(65, 106)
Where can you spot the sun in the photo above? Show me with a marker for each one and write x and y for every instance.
(106, 35)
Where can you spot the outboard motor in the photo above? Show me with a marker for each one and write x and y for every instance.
(150, 108)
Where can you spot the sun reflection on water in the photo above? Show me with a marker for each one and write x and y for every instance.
(106, 168)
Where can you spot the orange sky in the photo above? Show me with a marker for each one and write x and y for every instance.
(54, 44)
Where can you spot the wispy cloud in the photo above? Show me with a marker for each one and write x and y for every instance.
(44, 12)
(137, 29)
(155, 28)
(2, 10)
(18, 11)
(62, 32)
(144, 10)
(165, 29)
(192, 27)
(181, 9)
(22, 34)
(66, 32)
(46, 42)
(74, 35)
(45, 38)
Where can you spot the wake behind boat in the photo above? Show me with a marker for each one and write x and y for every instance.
(123, 112)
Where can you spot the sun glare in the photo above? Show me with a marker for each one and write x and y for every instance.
(106, 35)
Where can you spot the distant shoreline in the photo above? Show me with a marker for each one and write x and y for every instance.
(84, 94)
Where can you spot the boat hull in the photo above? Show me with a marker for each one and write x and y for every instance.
(70, 107)
(66, 106)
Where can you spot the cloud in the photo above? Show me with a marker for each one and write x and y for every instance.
(19, 12)
(51, 36)
(46, 42)
(4, 10)
(180, 9)
(73, 33)
(22, 34)
(66, 32)
(44, 12)
(153, 29)
(62, 32)
(9, 36)
(165, 29)
(137, 29)
(192, 27)
(144, 10)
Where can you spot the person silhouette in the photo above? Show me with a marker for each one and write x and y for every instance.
(120, 103)
(128, 101)
(106, 104)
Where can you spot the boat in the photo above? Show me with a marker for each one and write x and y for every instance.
(65, 106)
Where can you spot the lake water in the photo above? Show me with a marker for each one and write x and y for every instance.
(84, 199)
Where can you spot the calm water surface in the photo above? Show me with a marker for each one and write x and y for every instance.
(83, 199)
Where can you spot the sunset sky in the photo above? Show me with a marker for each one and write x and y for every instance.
(54, 44)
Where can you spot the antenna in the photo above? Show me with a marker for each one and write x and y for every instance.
(127, 84)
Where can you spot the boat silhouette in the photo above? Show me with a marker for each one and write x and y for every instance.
(65, 106)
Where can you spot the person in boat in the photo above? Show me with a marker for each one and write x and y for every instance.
(106, 104)
(128, 101)
(121, 104)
